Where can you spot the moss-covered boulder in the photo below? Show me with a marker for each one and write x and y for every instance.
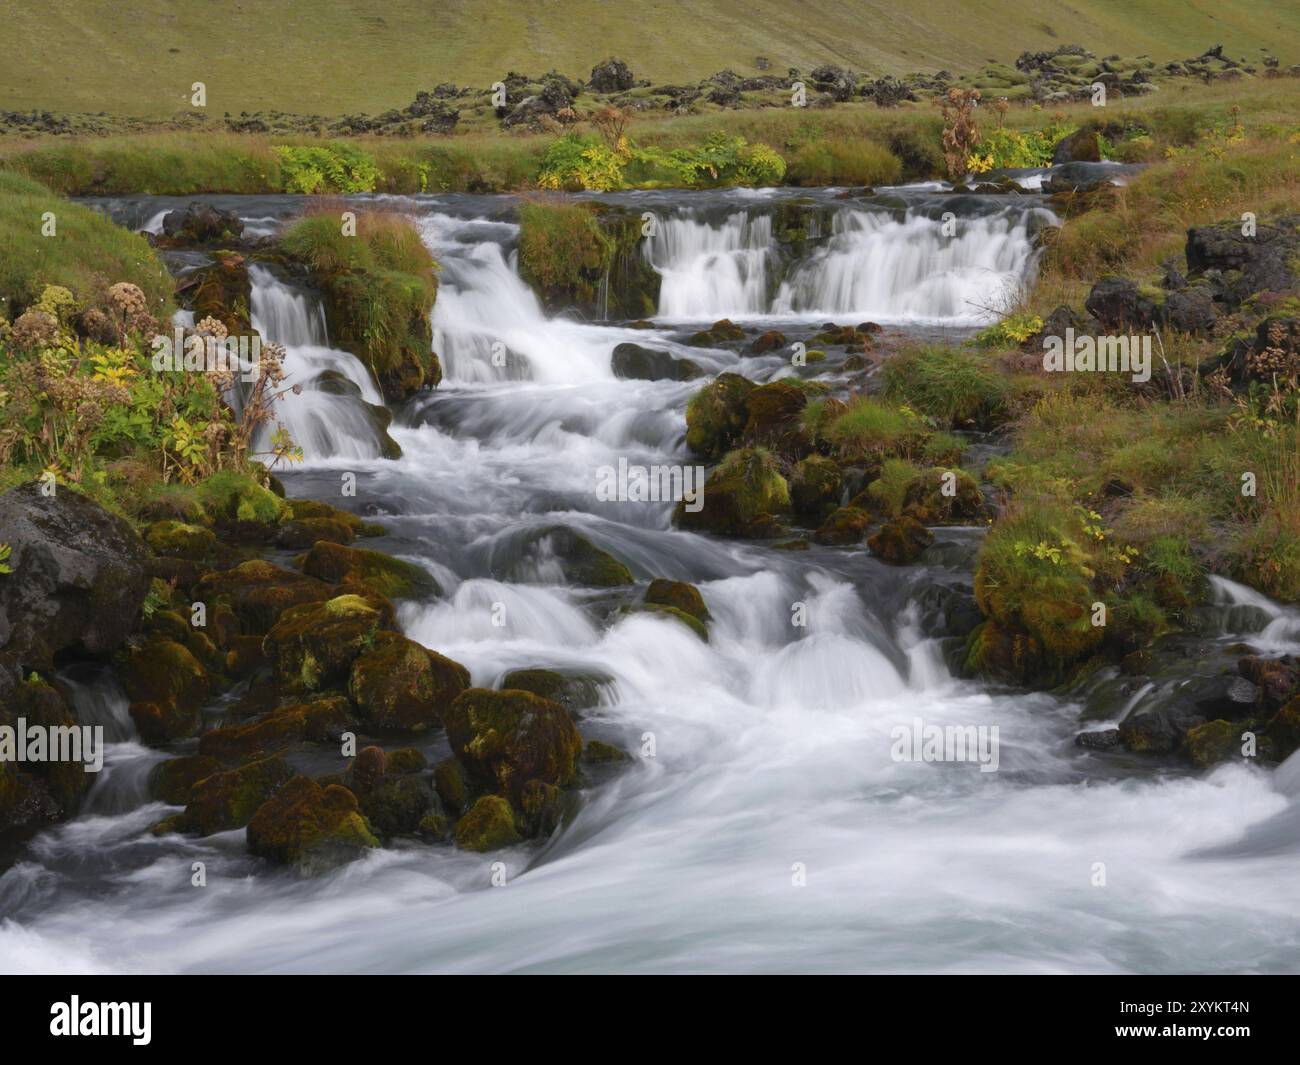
(178, 539)
(283, 727)
(716, 415)
(846, 525)
(723, 331)
(775, 420)
(172, 781)
(167, 687)
(1284, 730)
(397, 684)
(228, 799)
(310, 828)
(575, 691)
(398, 804)
(943, 497)
(1213, 742)
(512, 737)
(313, 646)
(238, 503)
(357, 569)
(453, 785)
(597, 752)
(677, 594)
(639, 363)
(900, 542)
(742, 497)
(577, 558)
(488, 825)
(304, 532)
(689, 620)
(816, 486)
(1006, 654)
(314, 509)
(258, 592)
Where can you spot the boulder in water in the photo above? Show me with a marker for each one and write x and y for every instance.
(313, 646)
(258, 592)
(680, 595)
(900, 542)
(573, 691)
(356, 569)
(512, 737)
(742, 497)
(847, 525)
(488, 825)
(397, 684)
(310, 828)
(650, 364)
(816, 485)
(201, 223)
(172, 781)
(717, 414)
(167, 687)
(229, 799)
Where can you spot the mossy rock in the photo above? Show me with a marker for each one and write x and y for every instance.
(258, 592)
(236, 501)
(229, 799)
(742, 497)
(847, 525)
(775, 420)
(304, 532)
(397, 684)
(693, 623)
(769, 341)
(581, 562)
(167, 687)
(313, 646)
(1214, 742)
(397, 805)
(993, 651)
(1284, 730)
(900, 542)
(453, 785)
(178, 539)
(720, 332)
(309, 827)
(173, 780)
(598, 752)
(283, 727)
(406, 760)
(312, 509)
(361, 570)
(679, 595)
(944, 497)
(816, 485)
(512, 737)
(488, 825)
(573, 691)
(52, 789)
(716, 415)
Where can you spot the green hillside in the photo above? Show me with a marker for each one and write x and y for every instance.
(338, 56)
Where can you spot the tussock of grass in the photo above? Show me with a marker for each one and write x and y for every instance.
(86, 254)
(956, 387)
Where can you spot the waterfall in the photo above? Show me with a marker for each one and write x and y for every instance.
(332, 415)
(712, 271)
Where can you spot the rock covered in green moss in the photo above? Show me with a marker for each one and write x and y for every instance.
(900, 542)
(167, 687)
(228, 799)
(283, 727)
(639, 363)
(846, 525)
(716, 415)
(488, 825)
(452, 784)
(178, 539)
(577, 558)
(398, 804)
(397, 684)
(172, 781)
(237, 502)
(310, 828)
(575, 691)
(943, 497)
(512, 737)
(258, 592)
(598, 752)
(368, 572)
(816, 485)
(680, 595)
(775, 420)
(689, 620)
(313, 646)
(742, 497)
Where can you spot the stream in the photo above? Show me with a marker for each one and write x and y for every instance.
(762, 824)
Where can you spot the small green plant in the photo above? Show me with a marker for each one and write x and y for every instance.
(337, 168)
(6, 553)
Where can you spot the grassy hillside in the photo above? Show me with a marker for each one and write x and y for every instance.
(337, 56)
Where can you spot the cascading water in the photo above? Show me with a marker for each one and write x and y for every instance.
(762, 823)
(712, 271)
(328, 416)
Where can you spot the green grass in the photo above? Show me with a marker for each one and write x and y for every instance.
(335, 57)
(86, 254)
(957, 388)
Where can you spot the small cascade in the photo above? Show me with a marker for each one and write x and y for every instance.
(333, 414)
(713, 271)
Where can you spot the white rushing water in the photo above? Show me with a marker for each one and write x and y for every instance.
(771, 830)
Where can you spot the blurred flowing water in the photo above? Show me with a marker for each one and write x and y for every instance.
(771, 830)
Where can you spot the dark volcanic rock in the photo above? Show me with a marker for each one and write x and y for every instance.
(78, 576)
(650, 364)
(201, 223)
(613, 75)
